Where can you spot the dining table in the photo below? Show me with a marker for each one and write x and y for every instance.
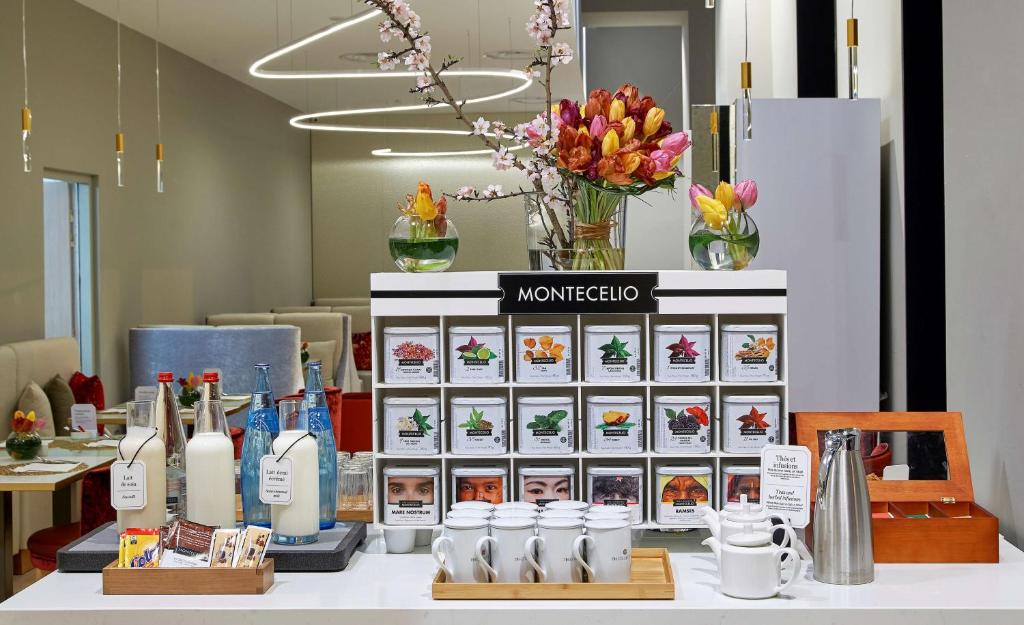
(116, 415)
(56, 477)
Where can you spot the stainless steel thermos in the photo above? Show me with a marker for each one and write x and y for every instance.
(842, 513)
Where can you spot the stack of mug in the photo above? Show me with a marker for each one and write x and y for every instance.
(516, 542)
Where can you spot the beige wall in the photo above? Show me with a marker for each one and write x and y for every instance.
(230, 234)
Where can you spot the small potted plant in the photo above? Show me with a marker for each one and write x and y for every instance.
(190, 390)
(24, 442)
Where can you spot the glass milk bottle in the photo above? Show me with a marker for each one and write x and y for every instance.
(172, 433)
(260, 429)
(298, 523)
(327, 452)
(210, 468)
(212, 392)
(142, 444)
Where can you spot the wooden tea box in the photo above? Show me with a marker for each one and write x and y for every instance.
(913, 520)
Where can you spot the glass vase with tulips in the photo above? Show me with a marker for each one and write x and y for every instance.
(24, 441)
(423, 239)
(724, 236)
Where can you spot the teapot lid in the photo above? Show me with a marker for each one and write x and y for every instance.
(747, 512)
(749, 538)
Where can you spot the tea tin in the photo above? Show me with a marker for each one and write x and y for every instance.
(749, 353)
(543, 485)
(612, 353)
(617, 486)
(615, 424)
(478, 425)
(412, 495)
(682, 353)
(411, 426)
(741, 479)
(749, 422)
(546, 425)
(411, 355)
(543, 354)
(486, 483)
(477, 354)
(683, 492)
(682, 424)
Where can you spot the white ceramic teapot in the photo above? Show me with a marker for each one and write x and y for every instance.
(751, 566)
(732, 521)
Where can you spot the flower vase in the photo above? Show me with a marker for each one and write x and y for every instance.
(24, 445)
(419, 246)
(730, 247)
(588, 236)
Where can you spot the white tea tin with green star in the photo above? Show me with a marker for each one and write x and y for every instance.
(612, 353)
(411, 426)
(478, 425)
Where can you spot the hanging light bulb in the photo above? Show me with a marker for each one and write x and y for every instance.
(119, 163)
(746, 78)
(159, 137)
(851, 47)
(709, 4)
(26, 112)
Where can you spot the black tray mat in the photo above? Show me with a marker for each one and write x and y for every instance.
(98, 548)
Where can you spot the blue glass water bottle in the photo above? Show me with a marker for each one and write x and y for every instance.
(327, 453)
(260, 429)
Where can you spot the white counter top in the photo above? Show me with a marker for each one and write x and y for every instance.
(380, 589)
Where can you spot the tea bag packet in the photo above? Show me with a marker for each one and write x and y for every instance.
(254, 547)
(222, 553)
(192, 543)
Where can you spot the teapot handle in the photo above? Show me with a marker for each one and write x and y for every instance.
(794, 559)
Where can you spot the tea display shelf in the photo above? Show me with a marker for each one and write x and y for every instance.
(476, 298)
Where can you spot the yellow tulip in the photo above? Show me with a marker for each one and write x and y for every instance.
(31, 415)
(610, 143)
(628, 129)
(617, 111)
(713, 210)
(725, 195)
(661, 175)
(556, 108)
(630, 162)
(425, 208)
(653, 121)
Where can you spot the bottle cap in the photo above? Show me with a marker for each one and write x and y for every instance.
(211, 376)
(164, 376)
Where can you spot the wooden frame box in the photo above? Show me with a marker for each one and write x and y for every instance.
(650, 578)
(185, 581)
(916, 520)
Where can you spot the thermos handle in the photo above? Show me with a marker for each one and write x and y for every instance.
(528, 546)
(577, 552)
(435, 550)
(481, 558)
(794, 559)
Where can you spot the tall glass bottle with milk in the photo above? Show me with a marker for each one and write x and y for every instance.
(260, 429)
(172, 433)
(298, 522)
(210, 468)
(142, 444)
(212, 392)
(327, 453)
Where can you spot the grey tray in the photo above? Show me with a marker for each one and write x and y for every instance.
(98, 548)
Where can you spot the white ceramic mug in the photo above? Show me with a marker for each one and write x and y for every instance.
(562, 514)
(608, 550)
(507, 546)
(515, 512)
(567, 504)
(550, 552)
(468, 513)
(455, 551)
(474, 505)
(610, 513)
(516, 505)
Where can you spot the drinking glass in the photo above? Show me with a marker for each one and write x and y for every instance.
(355, 489)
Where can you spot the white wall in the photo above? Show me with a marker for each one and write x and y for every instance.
(983, 84)
(771, 39)
(230, 234)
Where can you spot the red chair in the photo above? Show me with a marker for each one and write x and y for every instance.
(96, 510)
(358, 411)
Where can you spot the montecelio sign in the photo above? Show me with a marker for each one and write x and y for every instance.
(578, 292)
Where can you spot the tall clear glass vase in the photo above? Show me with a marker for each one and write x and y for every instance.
(590, 235)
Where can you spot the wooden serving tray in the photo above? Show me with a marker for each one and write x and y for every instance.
(185, 581)
(650, 578)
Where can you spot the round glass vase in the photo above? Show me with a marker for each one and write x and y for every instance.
(588, 236)
(24, 445)
(419, 246)
(729, 248)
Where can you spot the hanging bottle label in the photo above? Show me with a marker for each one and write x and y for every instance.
(128, 485)
(275, 480)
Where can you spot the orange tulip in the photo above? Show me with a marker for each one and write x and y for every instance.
(425, 208)
(630, 162)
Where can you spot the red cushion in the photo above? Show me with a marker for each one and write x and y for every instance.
(43, 545)
(96, 509)
(87, 390)
(358, 411)
(362, 351)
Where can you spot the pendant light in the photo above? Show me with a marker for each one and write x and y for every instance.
(159, 129)
(119, 135)
(851, 47)
(26, 112)
(746, 79)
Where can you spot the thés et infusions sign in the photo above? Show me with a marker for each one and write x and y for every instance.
(578, 292)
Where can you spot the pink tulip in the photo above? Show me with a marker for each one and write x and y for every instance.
(598, 127)
(662, 160)
(676, 143)
(746, 193)
(697, 190)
